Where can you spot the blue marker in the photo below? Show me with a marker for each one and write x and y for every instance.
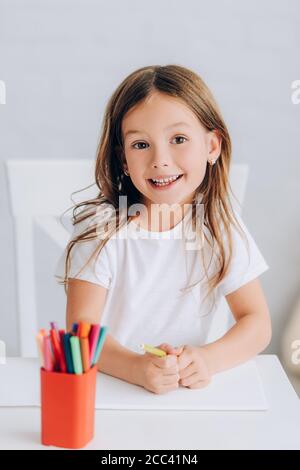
(68, 354)
(102, 335)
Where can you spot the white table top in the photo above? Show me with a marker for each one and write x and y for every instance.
(275, 428)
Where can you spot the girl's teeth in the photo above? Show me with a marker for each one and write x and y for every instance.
(165, 181)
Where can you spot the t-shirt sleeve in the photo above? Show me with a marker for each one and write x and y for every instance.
(247, 261)
(97, 271)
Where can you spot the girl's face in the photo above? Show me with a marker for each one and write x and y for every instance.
(163, 138)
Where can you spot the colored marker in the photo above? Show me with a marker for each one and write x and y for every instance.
(83, 329)
(61, 334)
(60, 362)
(102, 336)
(74, 352)
(48, 357)
(93, 338)
(85, 353)
(40, 346)
(76, 356)
(57, 347)
(61, 340)
(68, 354)
(153, 350)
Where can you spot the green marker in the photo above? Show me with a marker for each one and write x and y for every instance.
(76, 354)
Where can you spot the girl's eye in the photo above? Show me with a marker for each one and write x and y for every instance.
(137, 143)
(180, 137)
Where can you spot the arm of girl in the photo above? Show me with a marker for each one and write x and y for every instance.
(250, 335)
(85, 302)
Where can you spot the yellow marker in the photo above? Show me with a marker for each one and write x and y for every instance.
(153, 350)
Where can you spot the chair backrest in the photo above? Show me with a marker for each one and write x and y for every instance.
(40, 191)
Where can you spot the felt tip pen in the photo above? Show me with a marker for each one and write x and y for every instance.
(48, 357)
(93, 340)
(83, 329)
(102, 336)
(153, 350)
(85, 353)
(76, 355)
(40, 346)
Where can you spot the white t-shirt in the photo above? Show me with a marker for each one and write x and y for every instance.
(144, 272)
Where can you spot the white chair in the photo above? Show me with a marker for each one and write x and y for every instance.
(40, 192)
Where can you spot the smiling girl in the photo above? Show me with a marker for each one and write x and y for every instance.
(156, 270)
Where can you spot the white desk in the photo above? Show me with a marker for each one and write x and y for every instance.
(276, 428)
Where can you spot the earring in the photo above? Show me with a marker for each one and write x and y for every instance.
(212, 162)
(127, 174)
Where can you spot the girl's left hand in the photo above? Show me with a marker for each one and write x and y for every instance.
(193, 367)
(192, 364)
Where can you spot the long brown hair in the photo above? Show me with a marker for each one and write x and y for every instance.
(179, 82)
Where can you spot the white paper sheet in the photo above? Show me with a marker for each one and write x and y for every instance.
(239, 388)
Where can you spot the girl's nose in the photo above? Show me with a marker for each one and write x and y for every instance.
(161, 158)
(156, 166)
(162, 162)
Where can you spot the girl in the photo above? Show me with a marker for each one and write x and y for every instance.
(160, 245)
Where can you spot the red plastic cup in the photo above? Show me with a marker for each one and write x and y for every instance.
(67, 408)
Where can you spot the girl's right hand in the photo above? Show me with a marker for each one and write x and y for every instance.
(159, 374)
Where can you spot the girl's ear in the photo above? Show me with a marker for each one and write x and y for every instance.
(214, 144)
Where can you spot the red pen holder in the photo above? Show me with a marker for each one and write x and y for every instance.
(68, 408)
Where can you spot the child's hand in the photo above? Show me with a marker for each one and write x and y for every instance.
(193, 368)
(170, 350)
(158, 374)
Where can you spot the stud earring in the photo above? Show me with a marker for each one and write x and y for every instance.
(212, 162)
(127, 174)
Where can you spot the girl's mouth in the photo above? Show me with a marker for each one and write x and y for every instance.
(164, 185)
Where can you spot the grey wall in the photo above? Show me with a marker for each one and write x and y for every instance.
(61, 60)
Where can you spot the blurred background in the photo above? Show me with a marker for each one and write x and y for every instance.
(61, 60)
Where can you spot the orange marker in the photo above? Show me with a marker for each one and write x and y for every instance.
(83, 329)
(85, 353)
